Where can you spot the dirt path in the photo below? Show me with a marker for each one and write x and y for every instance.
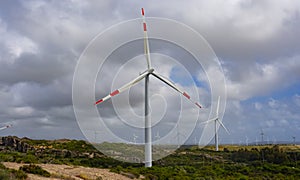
(70, 172)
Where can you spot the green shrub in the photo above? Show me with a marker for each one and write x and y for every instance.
(2, 166)
(30, 159)
(19, 174)
(4, 175)
(12, 174)
(34, 169)
(7, 157)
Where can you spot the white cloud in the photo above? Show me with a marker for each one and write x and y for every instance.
(14, 44)
(296, 99)
(21, 45)
(283, 122)
(278, 118)
(22, 111)
(269, 123)
(258, 106)
(256, 40)
(263, 79)
(251, 20)
(273, 103)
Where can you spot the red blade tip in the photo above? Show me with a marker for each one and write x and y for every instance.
(99, 101)
(186, 95)
(143, 13)
(114, 93)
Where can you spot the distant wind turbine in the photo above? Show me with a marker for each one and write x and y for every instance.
(274, 140)
(247, 140)
(157, 136)
(262, 136)
(134, 138)
(256, 141)
(146, 74)
(178, 135)
(216, 120)
(294, 139)
(95, 133)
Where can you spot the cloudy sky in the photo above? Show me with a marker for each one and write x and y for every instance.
(257, 43)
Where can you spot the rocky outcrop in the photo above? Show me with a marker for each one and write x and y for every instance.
(16, 144)
(12, 143)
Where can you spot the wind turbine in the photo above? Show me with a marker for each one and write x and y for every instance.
(134, 138)
(262, 136)
(216, 120)
(274, 140)
(294, 140)
(95, 133)
(247, 140)
(157, 136)
(178, 135)
(145, 75)
(256, 141)
(5, 127)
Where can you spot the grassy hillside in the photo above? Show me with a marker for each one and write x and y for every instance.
(189, 162)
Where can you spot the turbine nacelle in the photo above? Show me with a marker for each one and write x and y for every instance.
(216, 118)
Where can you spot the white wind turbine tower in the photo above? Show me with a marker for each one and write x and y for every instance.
(256, 141)
(134, 138)
(274, 140)
(146, 74)
(157, 136)
(247, 141)
(178, 135)
(5, 127)
(216, 120)
(294, 140)
(262, 136)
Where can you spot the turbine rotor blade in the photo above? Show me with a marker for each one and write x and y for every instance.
(4, 127)
(218, 106)
(208, 121)
(125, 87)
(223, 125)
(172, 85)
(146, 41)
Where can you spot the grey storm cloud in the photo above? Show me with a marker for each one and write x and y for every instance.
(46, 69)
(257, 43)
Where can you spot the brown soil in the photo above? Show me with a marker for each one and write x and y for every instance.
(70, 172)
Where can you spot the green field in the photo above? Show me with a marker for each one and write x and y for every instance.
(188, 162)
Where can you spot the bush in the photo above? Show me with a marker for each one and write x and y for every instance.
(30, 159)
(19, 174)
(11, 174)
(34, 169)
(2, 166)
(4, 174)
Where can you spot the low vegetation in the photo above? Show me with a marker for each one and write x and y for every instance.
(190, 162)
(34, 169)
(11, 174)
